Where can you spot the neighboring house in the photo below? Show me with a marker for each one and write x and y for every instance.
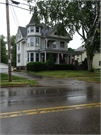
(96, 58)
(37, 42)
(4, 68)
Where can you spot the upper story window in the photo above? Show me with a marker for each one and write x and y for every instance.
(48, 44)
(28, 31)
(37, 29)
(32, 29)
(31, 41)
(37, 41)
(62, 45)
(99, 63)
(18, 46)
(54, 44)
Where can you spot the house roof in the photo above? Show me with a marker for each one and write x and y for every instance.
(23, 31)
(81, 48)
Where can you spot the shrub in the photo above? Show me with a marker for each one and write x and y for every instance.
(64, 67)
(50, 63)
(36, 66)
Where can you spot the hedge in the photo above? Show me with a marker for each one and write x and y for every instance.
(41, 66)
(36, 66)
(64, 67)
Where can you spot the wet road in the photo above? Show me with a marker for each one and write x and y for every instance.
(65, 109)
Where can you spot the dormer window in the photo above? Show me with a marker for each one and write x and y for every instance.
(37, 29)
(32, 29)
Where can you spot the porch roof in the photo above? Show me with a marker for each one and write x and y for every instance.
(60, 51)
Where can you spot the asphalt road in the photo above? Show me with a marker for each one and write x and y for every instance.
(63, 109)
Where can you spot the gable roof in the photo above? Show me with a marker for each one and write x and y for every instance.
(23, 31)
(81, 48)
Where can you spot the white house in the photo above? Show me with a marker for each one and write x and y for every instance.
(37, 42)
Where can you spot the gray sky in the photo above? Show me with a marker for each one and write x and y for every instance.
(20, 17)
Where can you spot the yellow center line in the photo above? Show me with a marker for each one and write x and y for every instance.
(47, 110)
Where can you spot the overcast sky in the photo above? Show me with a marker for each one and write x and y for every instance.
(21, 17)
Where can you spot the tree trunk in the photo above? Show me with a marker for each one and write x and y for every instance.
(89, 62)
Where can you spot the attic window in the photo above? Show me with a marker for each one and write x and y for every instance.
(19, 34)
(37, 29)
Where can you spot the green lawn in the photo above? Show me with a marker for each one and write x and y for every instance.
(89, 79)
(20, 82)
(5, 77)
(66, 74)
(16, 81)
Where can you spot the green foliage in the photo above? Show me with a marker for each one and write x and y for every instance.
(91, 69)
(50, 63)
(84, 64)
(13, 50)
(36, 66)
(4, 58)
(70, 49)
(64, 67)
(73, 16)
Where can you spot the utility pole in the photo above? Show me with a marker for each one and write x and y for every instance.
(8, 40)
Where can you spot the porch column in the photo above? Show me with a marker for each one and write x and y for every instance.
(34, 56)
(71, 59)
(29, 57)
(58, 58)
(81, 58)
(74, 59)
(39, 57)
(45, 56)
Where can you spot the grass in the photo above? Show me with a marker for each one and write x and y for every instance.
(16, 81)
(66, 74)
(5, 77)
(95, 80)
(20, 82)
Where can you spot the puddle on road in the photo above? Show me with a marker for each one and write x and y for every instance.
(69, 93)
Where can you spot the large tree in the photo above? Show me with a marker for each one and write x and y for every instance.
(79, 16)
(13, 50)
(4, 58)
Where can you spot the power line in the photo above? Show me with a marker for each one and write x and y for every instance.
(15, 15)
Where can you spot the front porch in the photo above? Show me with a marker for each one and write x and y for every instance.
(67, 57)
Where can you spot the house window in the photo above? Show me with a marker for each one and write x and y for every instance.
(37, 41)
(18, 46)
(31, 41)
(54, 44)
(37, 56)
(28, 44)
(48, 44)
(32, 29)
(99, 63)
(37, 29)
(28, 57)
(18, 58)
(62, 45)
(32, 56)
(77, 55)
(28, 31)
(19, 34)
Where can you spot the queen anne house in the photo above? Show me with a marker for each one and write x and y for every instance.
(37, 42)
